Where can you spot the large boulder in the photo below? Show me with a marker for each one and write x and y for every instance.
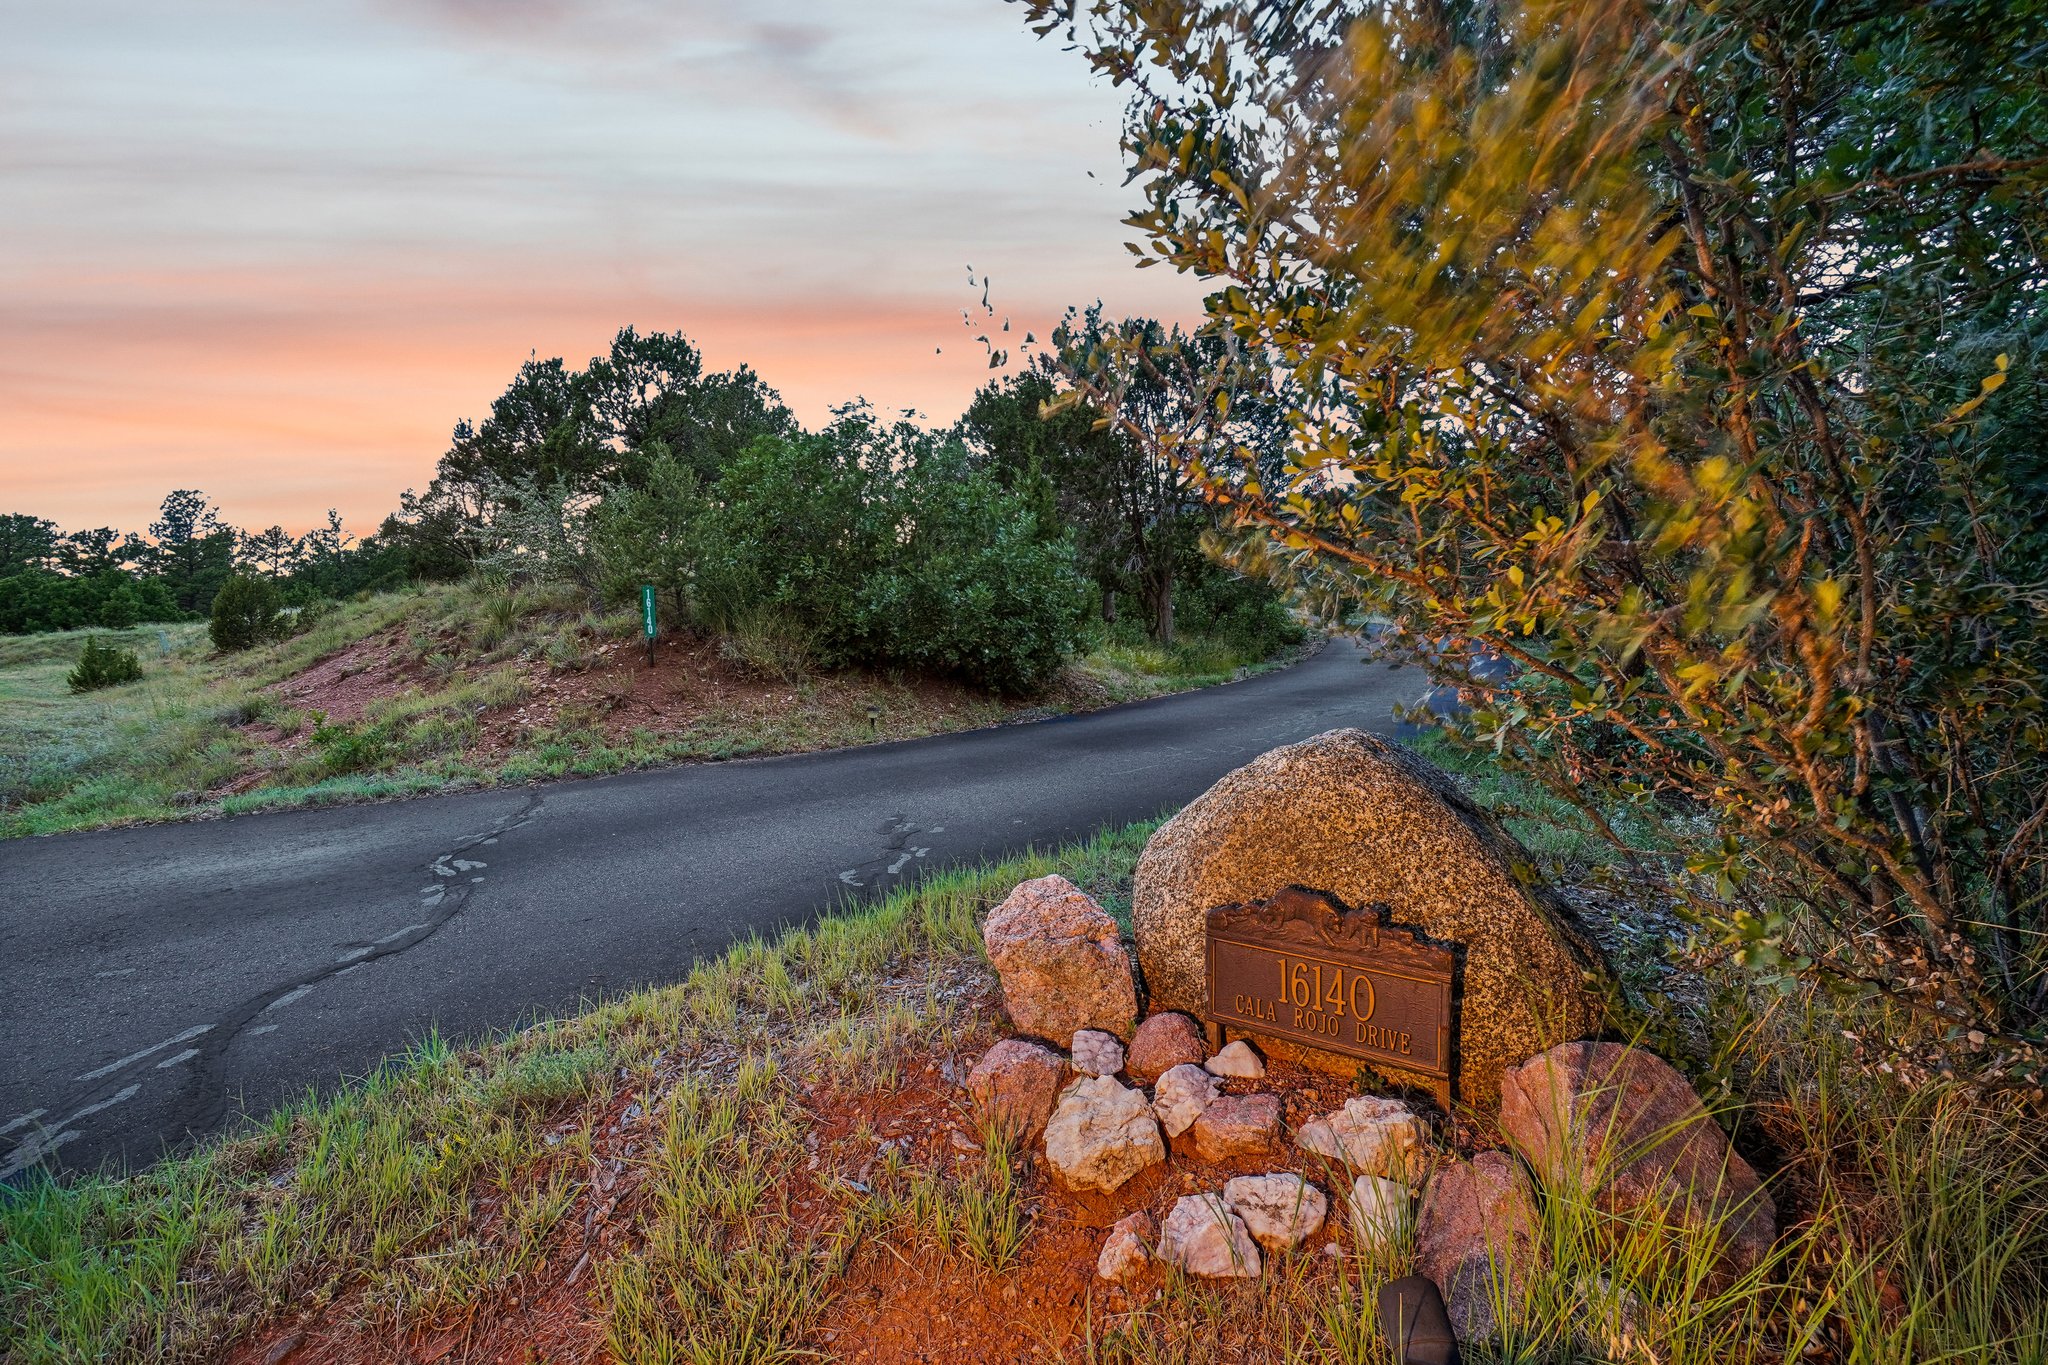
(1373, 824)
(1476, 1237)
(1619, 1125)
(1015, 1086)
(1061, 962)
(1101, 1135)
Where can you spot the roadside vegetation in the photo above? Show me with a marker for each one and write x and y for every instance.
(449, 686)
(736, 1167)
(1668, 377)
(1676, 362)
(812, 589)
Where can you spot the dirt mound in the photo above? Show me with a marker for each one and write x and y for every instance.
(345, 683)
(895, 1303)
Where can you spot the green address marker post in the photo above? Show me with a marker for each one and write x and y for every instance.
(647, 619)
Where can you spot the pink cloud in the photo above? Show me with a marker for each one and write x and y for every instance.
(283, 396)
(275, 252)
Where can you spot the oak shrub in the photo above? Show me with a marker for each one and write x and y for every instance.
(1683, 357)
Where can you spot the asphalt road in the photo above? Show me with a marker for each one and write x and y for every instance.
(156, 983)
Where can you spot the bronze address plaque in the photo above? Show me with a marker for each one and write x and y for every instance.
(1303, 967)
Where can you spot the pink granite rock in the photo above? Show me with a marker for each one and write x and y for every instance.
(1238, 1125)
(1127, 1251)
(1476, 1237)
(1015, 1086)
(1062, 965)
(1164, 1042)
(1623, 1127)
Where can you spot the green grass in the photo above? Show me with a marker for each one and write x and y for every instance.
(727, 1273)
(155, 748)
(197, 735)
(1131, 670)
(1917, 1215)
(1551, 828)
(979, 1213)
(426, 1188)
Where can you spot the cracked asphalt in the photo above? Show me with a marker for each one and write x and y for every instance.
(158, 983)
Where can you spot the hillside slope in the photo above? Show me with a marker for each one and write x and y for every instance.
(463, 685)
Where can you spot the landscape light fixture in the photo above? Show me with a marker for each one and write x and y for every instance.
(1417, 1327)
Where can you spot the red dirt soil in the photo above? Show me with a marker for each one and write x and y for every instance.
(619, 693)
(894, 1305)
(343, 684)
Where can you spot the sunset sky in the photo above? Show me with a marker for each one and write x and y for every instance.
(275, 251)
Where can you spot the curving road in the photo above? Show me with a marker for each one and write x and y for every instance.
(157, 982)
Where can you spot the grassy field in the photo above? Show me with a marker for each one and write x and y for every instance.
(701, 1173)
(458, 686)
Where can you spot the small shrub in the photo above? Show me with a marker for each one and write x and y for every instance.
(567, 653)
(500, 618)
(501, 688)
(1243, 615)
(764, 641)
(246, 612)
(623, 624)
(242, 711)
(103, 665)
(304, 608)
(345, 748)
(650, 533)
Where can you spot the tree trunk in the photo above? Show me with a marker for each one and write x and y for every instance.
(1162, 629)
(1109, 606)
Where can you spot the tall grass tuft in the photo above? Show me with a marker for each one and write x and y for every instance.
(724, 1275)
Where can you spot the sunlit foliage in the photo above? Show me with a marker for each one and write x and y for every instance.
(1657, 349)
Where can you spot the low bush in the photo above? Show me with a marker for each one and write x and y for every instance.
(247, 611)
(650, 533)
(103, 665)
(886, 548)
(245, 710)
(766, 643)
(1244, 615)
(346, 748)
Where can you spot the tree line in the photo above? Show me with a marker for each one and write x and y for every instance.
(50, 580)
(986, 550)
(989, 550)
